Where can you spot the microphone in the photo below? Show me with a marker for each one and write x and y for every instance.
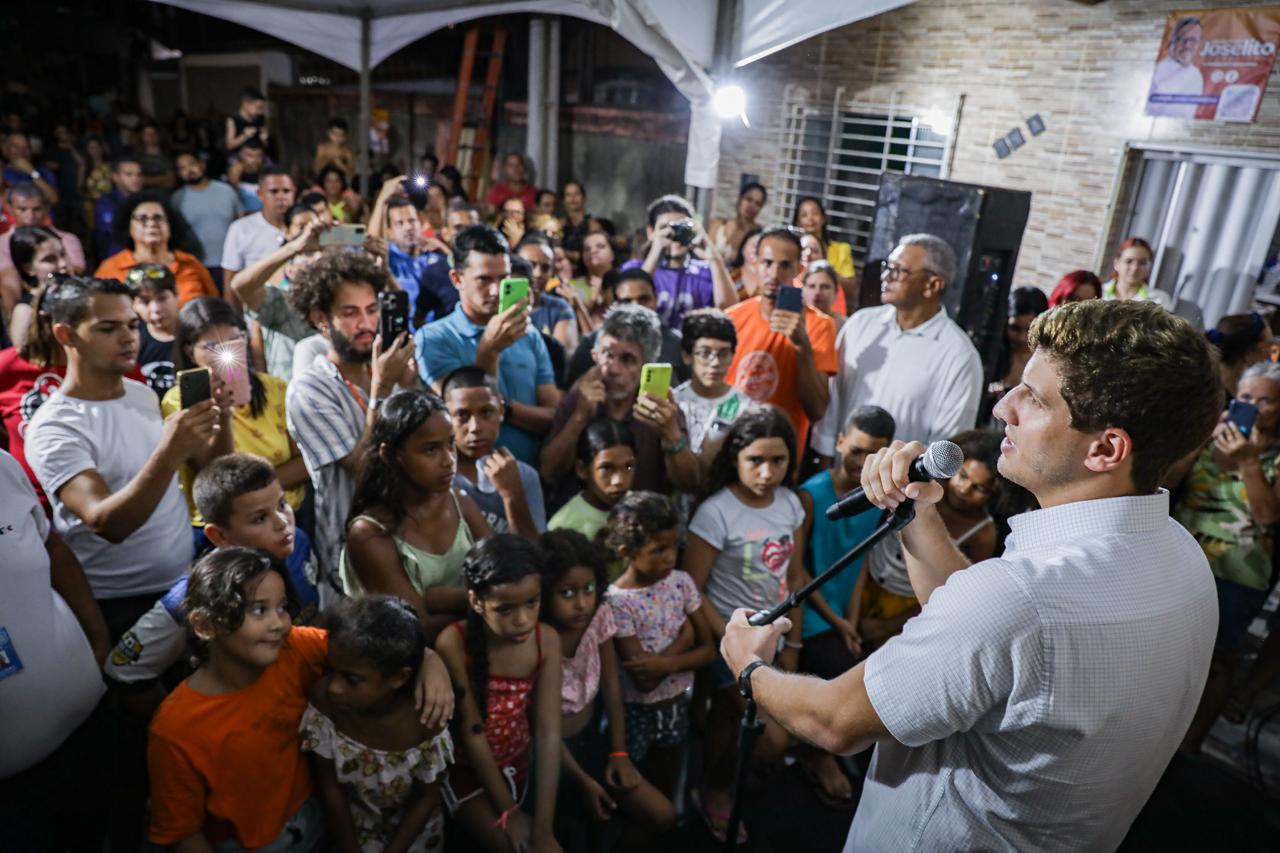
(940, 461)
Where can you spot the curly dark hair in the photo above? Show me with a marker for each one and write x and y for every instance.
(753, 426)
(635, 520)
(315, 286)
(564, 549)
(981, 445)
(180, 234)
(382, 630)
(221, 584)
(493, 561)
(382, 478)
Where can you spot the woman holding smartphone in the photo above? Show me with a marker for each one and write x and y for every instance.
(1230, 503)
(211, 335)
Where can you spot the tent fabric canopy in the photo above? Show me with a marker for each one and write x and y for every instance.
(679, 36)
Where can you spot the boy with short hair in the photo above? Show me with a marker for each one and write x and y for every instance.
(710, 405)
(507, 490)
(243, 505)
(155, 301)
(829, 631)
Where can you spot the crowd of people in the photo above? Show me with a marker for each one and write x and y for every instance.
(472, 579)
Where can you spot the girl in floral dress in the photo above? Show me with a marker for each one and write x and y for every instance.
(376, 766)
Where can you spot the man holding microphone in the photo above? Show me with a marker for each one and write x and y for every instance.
(1038, 697)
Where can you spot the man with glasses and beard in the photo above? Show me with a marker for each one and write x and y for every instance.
(907, 356)
(1177, 73)
(332, 405)
(209, 208)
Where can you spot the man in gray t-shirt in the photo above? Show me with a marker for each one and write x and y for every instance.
(209, 208)
(1037, 698)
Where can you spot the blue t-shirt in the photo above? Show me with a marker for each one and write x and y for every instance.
(828, 542)
(450, 343)
(425, 277)
(551, 310)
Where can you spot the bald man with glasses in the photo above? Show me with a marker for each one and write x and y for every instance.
(907, 356)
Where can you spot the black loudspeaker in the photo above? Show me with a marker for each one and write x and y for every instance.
(984, 226)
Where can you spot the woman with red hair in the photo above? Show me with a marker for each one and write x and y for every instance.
(1132, 266)
(1075, 286)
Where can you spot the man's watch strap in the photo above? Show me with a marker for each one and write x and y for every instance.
(744, 677)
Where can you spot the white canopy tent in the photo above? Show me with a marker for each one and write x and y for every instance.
(689, 40)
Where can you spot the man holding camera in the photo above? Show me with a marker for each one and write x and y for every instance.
(687, 274)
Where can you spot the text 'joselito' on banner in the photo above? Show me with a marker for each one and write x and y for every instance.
(1213, 65)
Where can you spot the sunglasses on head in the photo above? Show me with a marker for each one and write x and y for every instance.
(151, 273)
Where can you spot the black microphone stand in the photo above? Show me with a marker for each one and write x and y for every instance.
(750, 727)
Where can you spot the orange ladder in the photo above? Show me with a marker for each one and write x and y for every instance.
(468, 145)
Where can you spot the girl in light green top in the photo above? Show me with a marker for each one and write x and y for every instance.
(409, 530)
(605, 465)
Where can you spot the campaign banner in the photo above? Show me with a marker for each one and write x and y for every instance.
(1213, 64)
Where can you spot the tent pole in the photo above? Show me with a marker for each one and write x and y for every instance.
(366, 114)
(721, 70)
(551, 179)
(535, 135)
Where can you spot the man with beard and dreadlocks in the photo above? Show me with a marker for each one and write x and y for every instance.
(331, 405)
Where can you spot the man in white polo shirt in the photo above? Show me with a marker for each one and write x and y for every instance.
(259, 234)
(907, 356)
(1037, 698)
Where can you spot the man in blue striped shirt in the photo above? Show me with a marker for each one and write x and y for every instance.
(331, 406)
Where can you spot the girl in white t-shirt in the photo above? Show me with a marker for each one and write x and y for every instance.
(744, 551)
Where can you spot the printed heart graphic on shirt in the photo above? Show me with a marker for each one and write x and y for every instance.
(758, 376)
(776, 553)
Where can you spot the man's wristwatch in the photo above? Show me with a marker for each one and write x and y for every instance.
(744, 677)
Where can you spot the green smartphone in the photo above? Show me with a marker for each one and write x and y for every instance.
(511, 291)
(656, 380)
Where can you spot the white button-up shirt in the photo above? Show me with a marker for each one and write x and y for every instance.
(1038, 697)
(929, 378)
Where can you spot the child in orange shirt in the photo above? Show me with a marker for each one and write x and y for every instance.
(224, 752)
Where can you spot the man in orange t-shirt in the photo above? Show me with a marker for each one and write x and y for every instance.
(781, 360)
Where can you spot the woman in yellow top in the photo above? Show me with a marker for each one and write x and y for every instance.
(208, 327)
(812, 218)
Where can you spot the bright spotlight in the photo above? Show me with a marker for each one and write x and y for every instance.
(730, 102)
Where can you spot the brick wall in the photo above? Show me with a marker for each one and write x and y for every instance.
(1085, 69)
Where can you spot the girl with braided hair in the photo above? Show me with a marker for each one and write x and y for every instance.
(505, 667)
